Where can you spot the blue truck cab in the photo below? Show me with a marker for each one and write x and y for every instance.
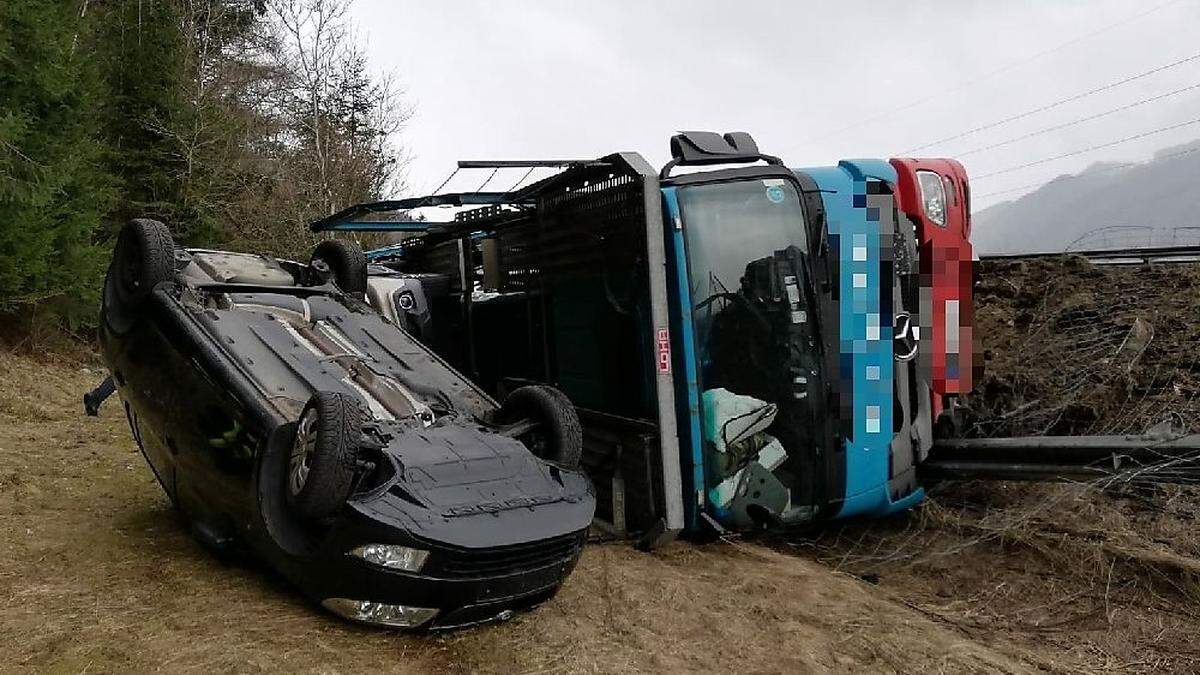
(740, 338)
(789, 285)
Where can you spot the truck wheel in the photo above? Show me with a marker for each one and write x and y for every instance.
(558, 438)
(144, 257)
(347, 262)
(324, 455)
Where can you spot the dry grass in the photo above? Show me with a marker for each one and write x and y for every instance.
(1102, 577)
(1074, 579)
(97, 574)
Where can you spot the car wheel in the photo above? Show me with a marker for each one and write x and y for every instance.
(347, 262)
(144, 257)
(558, 438)
(324, 455)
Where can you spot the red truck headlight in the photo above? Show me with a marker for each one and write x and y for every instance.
(933, 197)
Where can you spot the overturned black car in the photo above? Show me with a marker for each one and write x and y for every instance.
(280, 412)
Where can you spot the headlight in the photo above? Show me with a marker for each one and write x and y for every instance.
(392, 556)
(383, 614)
(933, 197)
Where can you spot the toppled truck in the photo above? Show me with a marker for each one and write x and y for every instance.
(747, 346)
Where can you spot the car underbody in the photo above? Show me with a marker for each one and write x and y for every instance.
(449, 519)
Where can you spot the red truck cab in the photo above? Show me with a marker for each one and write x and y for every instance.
(935, 196)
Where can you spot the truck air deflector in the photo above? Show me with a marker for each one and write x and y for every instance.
(706, 148)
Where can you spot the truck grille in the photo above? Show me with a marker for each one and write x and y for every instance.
(508, 559)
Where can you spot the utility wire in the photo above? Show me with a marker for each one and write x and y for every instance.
(1173, 155)
(1072, 123)
(1055, 104)
(1089, 149)
(989, 74)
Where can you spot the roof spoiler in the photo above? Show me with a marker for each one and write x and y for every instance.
(701, 148)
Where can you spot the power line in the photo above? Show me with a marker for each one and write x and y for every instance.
(988, 75)
(1078, 121)
(1055, 104)
(1089, 149)
(1173, 155)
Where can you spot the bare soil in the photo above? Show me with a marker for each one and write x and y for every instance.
(1074, 348)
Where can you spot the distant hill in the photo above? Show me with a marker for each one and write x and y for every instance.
(1163, 193)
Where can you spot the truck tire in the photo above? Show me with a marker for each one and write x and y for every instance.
(324, 455)
(559, 436)
(347, 262)
(144, 257)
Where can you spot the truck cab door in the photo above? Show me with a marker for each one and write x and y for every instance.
(934, 195)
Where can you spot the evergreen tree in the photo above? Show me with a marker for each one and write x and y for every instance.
(53, 189)
(139, 52)
(208, 115)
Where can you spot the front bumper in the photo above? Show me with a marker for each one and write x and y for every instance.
(428, 618)
(455, 588)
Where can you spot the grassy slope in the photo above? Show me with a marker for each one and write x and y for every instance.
(97, 574)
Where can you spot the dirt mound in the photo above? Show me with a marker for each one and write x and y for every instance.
(1076, 348)
(98, 574)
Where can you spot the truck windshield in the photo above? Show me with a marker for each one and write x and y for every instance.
(758, 350)
(730, 224)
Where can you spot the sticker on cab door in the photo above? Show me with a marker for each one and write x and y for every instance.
(662, 340)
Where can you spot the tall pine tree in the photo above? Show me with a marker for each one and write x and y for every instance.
(139, 55)
(53, 188)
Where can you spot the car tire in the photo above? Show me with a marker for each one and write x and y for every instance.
(144, 258)
(347, 262)
(559, 436)
(324, 456)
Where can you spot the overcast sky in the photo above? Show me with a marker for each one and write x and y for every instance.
(813, 82)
